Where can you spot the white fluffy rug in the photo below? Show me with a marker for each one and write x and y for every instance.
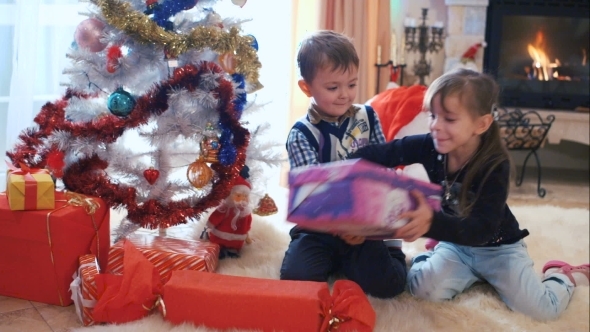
(556, 233)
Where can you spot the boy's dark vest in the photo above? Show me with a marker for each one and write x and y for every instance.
(336, 143)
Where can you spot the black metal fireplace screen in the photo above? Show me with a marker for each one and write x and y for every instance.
(538, 52)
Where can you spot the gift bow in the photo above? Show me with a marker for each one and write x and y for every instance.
(24, 169)
(346, 309)
(89, 204)
(128, 297)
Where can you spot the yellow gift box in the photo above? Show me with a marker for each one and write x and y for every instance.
(30, 189)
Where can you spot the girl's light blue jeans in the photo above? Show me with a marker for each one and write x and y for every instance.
(450, 269)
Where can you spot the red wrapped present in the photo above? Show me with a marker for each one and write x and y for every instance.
(167, 254)
(83, 289)
(29, 189)
(39, 249)
(224, 302)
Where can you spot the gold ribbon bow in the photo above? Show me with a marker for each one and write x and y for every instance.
(89, 204)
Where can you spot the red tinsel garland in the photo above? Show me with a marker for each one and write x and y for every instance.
(87, 175)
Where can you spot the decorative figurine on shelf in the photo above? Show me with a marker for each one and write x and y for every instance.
(467, 60)
(230, 223)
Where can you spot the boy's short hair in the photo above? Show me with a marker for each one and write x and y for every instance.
(325, 48)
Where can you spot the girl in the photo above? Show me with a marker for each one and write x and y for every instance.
(480, 239)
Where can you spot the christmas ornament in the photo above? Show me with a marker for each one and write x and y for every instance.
(210, 145)
(151, 175)
(254, 42)
(87, 175)
(55, 162)
(150, 5)
(227, 62)
(88, 34)
(199, 173)
(240, 3)
(120, 102)
(266, 206)
(113, 55)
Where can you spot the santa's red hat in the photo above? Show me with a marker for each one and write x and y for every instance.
(241, 183)
(469, 55)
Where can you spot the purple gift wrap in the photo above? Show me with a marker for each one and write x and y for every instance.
(355, 197)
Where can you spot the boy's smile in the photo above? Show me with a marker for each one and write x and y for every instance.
(332, 91)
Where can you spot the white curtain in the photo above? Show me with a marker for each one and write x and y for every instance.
(42, 32)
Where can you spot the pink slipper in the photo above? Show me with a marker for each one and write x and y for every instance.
(430, 244)
(567, 269)
(560, 264)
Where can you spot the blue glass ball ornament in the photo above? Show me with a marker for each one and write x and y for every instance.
(121, 102)
(254, 43)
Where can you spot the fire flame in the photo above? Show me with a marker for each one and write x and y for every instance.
(540, 62)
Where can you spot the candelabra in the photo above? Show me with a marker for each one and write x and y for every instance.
(427, 42)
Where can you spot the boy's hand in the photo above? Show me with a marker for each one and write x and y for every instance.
(353, 240)
(419, 220)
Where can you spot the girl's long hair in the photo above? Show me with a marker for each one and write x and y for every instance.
(478, 92)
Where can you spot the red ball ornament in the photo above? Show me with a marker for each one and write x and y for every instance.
(151, 175)
(88, 34)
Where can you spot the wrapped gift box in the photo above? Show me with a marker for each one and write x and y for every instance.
(232, 302)
(167, 254)
(83, 288)
(30, 189)
(39, 250)
(229, 302)
(354, 197)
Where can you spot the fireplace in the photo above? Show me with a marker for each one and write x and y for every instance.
(538, 52)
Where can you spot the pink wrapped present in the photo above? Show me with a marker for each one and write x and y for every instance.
(355, 197)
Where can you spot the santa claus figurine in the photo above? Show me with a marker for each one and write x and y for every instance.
(467, 60)
(230, 223)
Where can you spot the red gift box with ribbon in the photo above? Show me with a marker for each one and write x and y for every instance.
(225, 302)
(83, 289)
(167, 254)
(29, 188)
(40, 249)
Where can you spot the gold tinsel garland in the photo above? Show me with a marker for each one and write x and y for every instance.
(144, 30)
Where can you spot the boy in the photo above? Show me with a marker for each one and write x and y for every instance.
(333, 129)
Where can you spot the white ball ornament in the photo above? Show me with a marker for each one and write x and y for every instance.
(240, 3)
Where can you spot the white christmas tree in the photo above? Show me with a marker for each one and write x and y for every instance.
(152, 119)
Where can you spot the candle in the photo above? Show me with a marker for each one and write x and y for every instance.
(393, 48)
(378, 54)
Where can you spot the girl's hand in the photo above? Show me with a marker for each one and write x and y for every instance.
(353, 240)
(419, 220)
